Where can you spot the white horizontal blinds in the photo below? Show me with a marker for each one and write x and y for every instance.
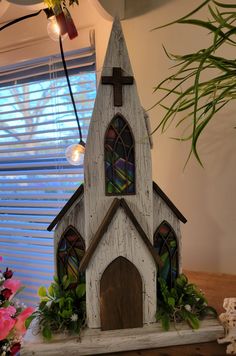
(37, 123)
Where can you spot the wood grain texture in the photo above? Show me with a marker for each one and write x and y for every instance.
(121, 300)
(96, 201)
(95, 342)
(104, 226)
(162, 212)
(73, 217)
(76, 196)
(120, 239)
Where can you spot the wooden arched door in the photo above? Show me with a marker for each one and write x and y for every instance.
(121, 300)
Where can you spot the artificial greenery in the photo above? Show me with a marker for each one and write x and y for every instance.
(53, 3)
(183, 302)
(61, 309)
(204, 81)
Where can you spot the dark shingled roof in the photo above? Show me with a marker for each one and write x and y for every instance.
(104, 226)
(79, 192)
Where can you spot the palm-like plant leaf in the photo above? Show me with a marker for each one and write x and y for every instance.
(200, 99)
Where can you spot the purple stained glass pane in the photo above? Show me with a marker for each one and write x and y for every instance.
(71, 249)
(119, 158)
(165, 242)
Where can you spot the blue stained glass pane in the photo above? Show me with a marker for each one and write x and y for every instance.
(119, 158)
(165, 243)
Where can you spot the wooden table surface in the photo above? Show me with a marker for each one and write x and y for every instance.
(216, 287)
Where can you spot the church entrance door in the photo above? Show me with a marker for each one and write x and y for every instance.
(121, 300)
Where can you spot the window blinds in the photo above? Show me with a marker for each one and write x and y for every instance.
(37, 123)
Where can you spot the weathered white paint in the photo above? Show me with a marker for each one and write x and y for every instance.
(228, 321)
(95, 342)
(96, 203)
(73, 217)
(121, 239)
(161, 212)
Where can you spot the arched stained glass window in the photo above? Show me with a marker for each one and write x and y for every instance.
(119, 158)
(166, 244)
(70, 251)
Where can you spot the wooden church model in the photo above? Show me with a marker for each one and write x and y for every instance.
(118, 229)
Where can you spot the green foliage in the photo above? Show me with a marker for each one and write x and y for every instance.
(61, 308)
(53, 3)
(204, 81)
(183, 302)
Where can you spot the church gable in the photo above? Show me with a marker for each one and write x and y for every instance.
(105, 225)
(121, 238)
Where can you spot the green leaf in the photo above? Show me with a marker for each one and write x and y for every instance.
(61, 302)
(47, 334)
(165, 322)
(181, 281)
(42, 292)
(186, 16)
(171, 301)
(29, 320)
(51, 290)
(56, 279)
(192, 320)
(81, 290)
(208, 310)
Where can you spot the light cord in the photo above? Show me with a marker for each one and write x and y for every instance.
(70, 90)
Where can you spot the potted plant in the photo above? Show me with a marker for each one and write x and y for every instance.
(202, 96)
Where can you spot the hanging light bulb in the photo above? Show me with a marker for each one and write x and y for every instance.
(56, 25)
(75, 153)
(53, 28)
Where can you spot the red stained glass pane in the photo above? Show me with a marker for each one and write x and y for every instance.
(71, 249)
(119, 158)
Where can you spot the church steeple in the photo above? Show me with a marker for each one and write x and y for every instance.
(117, 158)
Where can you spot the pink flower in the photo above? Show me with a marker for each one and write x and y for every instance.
(12, 284)
(6, 323)
(1, 258)
(20, 320)
(10, 310)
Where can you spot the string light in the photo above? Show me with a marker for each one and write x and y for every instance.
(75, 152)
(53, 28)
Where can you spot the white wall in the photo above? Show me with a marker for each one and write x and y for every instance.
(207, 197)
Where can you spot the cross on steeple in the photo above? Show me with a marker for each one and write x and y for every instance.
(117, 81)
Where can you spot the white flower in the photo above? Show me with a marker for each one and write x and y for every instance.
(188, 307)
(197, 299)
(49, 303)
(74, 317)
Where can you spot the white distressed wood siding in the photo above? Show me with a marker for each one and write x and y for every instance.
(96, 202)
(121, 239)
(161, 212)
(73, 217)
(95, 342)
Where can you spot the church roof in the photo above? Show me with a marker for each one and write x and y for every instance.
(116, 204)
(80, 191)
(171, 205)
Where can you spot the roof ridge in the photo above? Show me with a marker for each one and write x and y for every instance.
(116, 203)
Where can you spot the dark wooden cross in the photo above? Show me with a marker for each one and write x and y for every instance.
(117, 81)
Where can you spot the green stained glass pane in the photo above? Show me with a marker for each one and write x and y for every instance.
(165, 242)
(119, 158)
(71, 249)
